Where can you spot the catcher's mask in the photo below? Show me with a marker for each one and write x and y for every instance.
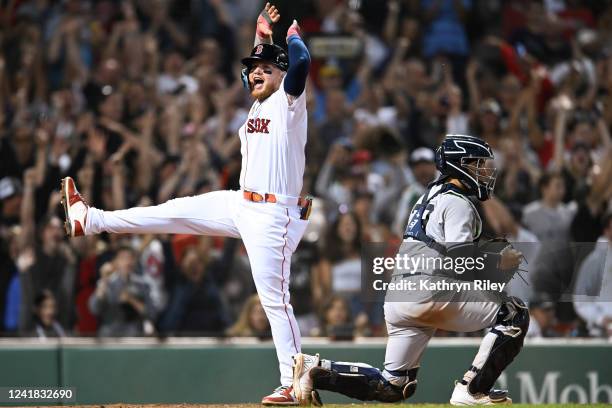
(468, 159)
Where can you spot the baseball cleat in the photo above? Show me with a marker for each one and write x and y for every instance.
(461, 396)
(302, 381)
(75, 208)
(282, 396)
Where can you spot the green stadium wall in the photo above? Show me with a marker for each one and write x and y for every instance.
(186, 371)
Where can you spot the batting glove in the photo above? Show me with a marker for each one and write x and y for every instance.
(266, 20)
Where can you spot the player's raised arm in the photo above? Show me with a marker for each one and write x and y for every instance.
(266, 20)
(299, 62)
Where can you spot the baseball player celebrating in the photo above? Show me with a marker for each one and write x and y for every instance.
(443, 223)
(267, 213)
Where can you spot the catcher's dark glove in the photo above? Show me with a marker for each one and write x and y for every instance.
(502, 259)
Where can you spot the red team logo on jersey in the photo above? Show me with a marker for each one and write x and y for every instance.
(258, 125)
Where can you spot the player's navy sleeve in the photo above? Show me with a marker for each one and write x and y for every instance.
(299, 63)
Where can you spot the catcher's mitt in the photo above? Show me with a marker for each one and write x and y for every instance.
(492, 250)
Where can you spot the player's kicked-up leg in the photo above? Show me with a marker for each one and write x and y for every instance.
(206, 214)
(271, 233)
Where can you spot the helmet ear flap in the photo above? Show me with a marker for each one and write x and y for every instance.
(244, 76)
(440, 159)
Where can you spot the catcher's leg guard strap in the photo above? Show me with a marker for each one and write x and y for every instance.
(499, 347)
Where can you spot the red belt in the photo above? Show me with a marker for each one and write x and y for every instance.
(258, 198)
(269, 198)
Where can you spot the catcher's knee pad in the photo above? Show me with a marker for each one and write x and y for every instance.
(501, 345)
(513, 313)
(405, 381)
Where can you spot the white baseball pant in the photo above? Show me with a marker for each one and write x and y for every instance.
(270, 232)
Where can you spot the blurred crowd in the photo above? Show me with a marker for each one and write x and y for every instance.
(140, 101)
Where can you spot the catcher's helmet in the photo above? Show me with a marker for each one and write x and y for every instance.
(464, 157)
(271, 53)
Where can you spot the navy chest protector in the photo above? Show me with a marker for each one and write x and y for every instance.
(419, 216)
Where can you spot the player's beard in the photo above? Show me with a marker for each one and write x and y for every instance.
(264, 91)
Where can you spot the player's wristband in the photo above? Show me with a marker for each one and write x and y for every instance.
(294, 30)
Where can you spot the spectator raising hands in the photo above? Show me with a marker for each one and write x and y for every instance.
(141, 101)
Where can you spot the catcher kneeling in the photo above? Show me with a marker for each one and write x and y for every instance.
(443, 225)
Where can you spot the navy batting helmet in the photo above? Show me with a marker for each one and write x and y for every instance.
(465, 158)
(271, 53)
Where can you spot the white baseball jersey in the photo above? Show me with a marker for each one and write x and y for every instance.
(272, 145)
